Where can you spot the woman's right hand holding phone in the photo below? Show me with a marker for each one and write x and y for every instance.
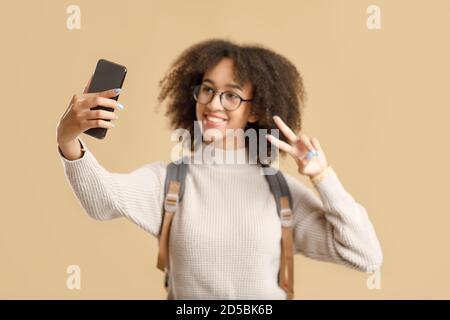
(79, 117)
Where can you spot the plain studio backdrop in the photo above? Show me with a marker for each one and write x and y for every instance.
(378, 101)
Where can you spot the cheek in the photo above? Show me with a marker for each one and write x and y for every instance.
(199, 110)
(238, 119)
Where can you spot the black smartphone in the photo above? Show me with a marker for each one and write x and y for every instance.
(107, 75)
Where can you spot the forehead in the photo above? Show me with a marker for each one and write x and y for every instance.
(222, 74)
(224, 70)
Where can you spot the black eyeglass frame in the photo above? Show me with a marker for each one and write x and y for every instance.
(195, 88)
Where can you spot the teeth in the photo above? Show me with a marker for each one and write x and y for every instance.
(215, 119)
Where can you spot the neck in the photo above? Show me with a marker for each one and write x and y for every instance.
(228, 143)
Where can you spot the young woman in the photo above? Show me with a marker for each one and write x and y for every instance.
(225, 243)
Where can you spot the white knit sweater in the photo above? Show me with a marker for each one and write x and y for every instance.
(225, 240)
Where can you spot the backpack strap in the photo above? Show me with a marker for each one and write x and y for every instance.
(283, 199)
(173, 195)
(174, 186)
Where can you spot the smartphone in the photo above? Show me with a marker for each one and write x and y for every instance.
(107, 75)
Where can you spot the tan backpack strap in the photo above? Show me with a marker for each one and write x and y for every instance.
(170, 207)
(286, 275)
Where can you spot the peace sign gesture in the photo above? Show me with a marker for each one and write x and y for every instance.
(306, 152)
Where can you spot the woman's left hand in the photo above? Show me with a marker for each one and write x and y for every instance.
(306, 152)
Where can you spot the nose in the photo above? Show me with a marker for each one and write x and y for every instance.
(215, 104)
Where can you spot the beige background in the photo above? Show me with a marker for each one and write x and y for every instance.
(378, 102)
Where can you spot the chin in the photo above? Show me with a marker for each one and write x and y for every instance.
(213, 134)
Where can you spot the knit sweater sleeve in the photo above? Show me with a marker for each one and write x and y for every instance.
(105, 195)
(333, 227)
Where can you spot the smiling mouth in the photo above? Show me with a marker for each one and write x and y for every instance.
(215, 119)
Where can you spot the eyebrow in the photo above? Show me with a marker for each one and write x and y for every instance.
(230, 85)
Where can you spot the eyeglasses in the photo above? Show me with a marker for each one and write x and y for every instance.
(229, 100)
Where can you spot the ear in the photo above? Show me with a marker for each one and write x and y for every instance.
(252, 117)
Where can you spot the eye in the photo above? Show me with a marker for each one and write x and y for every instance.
(230, 95)
(206, 89)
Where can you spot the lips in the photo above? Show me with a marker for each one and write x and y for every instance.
(215, 115)
(215, 120)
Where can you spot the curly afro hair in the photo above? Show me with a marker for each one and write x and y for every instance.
(277, 85)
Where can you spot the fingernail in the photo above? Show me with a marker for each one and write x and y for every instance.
(117, 90)
(120, 105)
